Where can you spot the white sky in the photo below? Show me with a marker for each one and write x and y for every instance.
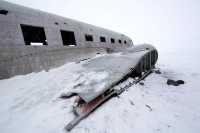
(163, 23)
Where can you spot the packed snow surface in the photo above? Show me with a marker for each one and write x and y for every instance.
(31, 103)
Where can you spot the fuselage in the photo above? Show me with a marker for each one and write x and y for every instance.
(18, 23)
(33, 40)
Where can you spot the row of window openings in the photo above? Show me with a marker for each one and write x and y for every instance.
(39, 37)
(102, 39)
(36, 36)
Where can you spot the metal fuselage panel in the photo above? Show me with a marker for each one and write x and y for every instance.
(18, 58)
(11, 33)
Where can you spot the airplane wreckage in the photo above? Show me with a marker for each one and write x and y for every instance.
(32, 40)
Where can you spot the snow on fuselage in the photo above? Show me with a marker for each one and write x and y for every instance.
(112, 68)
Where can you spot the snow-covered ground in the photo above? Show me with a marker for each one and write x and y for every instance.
(31, 103)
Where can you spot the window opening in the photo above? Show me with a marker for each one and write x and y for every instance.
(112, 40)
(88, 37)
(102, 39)
(3, 12)
(33, 35)
(68, 38)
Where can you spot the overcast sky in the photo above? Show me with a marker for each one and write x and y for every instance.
(163, 23)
